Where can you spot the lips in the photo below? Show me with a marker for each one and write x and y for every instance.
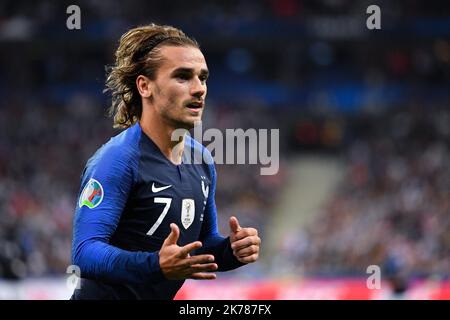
(195, 105)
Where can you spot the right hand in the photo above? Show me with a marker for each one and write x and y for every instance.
(176, 263)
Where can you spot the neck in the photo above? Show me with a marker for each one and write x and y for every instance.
(161, 134)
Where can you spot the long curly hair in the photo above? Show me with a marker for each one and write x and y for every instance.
(138, 54)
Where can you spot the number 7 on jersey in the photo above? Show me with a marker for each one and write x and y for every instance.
(167, 202)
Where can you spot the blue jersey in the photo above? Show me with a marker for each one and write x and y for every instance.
(130, 194)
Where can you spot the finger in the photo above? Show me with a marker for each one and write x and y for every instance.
(173, 236)
(245, 252)
(246, 242)
(204, 267)
(245, 232)
(185, 250)
(234, 225)
(203, 276)
(200, 259)
(249, 259)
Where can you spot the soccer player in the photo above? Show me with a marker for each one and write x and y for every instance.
(146, 218)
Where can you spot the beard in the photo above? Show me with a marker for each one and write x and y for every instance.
(175, 113)
(178, 120)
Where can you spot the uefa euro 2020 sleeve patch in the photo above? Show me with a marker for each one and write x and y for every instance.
(92, 194)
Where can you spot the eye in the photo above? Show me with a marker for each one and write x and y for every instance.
(203, 78)
(183, 76)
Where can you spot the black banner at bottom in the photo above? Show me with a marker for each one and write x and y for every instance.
(223, 310)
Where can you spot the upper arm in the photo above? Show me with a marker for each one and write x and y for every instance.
(106, 184)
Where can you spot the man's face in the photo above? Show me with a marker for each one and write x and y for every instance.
(179, 89)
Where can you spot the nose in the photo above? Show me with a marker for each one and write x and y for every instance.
(198, 88)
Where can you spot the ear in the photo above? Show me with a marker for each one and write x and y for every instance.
(143, 85)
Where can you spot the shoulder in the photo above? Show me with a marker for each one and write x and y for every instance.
(120, 153)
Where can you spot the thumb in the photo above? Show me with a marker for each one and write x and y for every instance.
(234, 225)
(172, 238)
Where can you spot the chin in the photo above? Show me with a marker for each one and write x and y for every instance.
(187, 123)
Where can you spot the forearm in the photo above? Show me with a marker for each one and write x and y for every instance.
(221, 249)
(101, 261)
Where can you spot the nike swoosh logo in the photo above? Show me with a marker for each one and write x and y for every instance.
(155, 189)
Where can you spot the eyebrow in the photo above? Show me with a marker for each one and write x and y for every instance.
(203, 72)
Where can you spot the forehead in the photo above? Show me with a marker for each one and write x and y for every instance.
(182, 57)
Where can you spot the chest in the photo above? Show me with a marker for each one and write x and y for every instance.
(168, 194)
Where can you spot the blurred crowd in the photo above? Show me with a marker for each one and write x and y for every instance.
(392, 208)
(309, 68)
(42, 150)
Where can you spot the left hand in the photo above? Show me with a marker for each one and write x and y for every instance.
(244, 242)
